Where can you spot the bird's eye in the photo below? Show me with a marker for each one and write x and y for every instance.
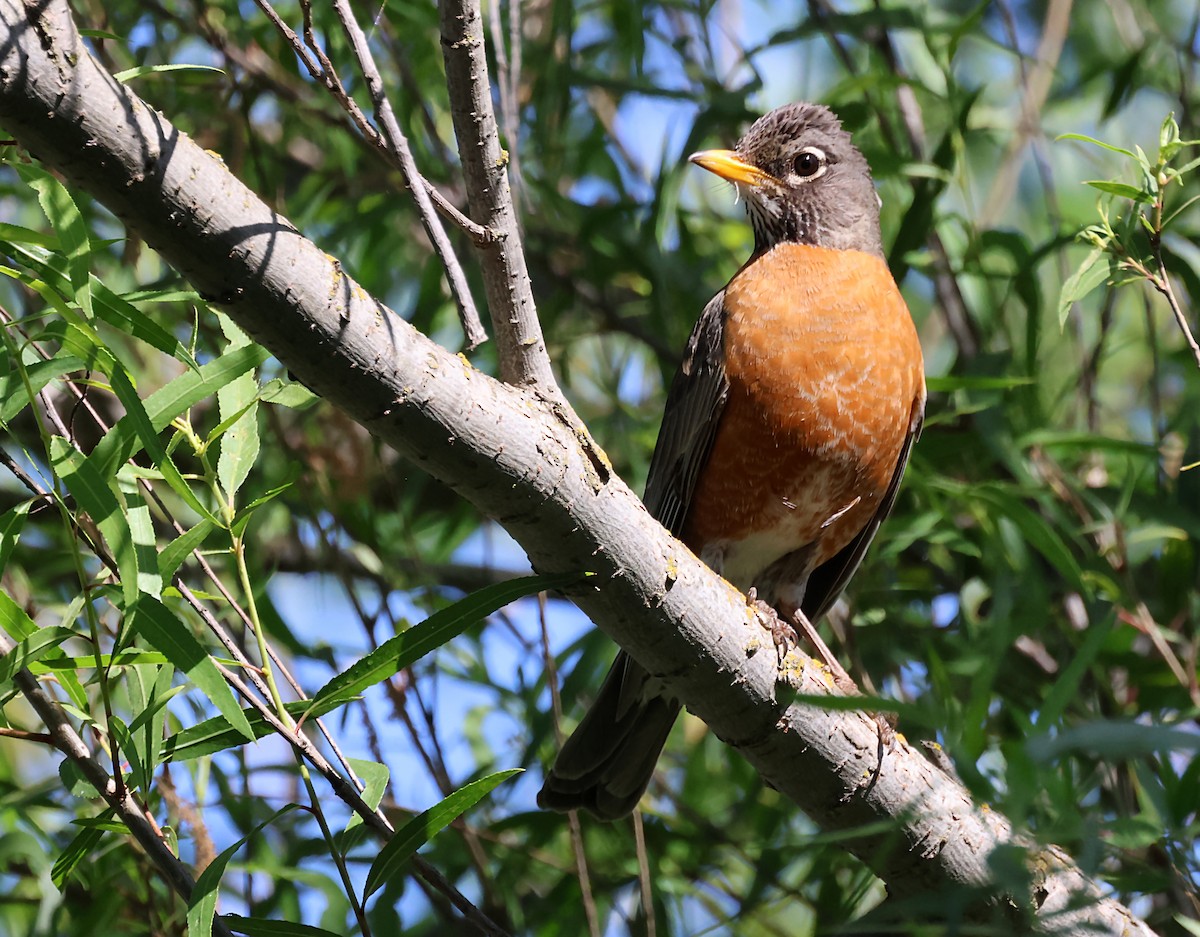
(810, 163)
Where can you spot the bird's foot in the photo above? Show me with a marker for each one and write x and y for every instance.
(787, 635)
(782, 633)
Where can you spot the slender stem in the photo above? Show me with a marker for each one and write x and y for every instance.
(647, 892)
(335, 853)
(320, 67)
(401, 154)
(573, 824)
(264, 658)
(1162, 281)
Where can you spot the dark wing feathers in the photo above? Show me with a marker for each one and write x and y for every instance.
(695, 402)
(607, 762)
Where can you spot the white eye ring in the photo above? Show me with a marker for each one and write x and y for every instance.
(803, 167)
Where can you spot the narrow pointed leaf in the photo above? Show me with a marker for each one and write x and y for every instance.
(159, 626)
(407, 648)
(420, 829)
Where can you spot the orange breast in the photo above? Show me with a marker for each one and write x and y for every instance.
(824, 367)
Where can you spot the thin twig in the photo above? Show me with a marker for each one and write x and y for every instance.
(397, 144)
(346, 790)
(319, 66)
(507, 78)
(1162, 283)
(647, 892)
(1036, 89)
(573, 824)
(226, 639)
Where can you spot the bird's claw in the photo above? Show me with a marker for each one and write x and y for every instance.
(783, 634)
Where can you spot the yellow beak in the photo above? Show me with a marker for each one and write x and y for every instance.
(728, 165)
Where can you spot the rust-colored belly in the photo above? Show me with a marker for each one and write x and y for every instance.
(824, 367)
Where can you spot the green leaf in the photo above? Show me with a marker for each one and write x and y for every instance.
(120, 443)
(158, 625)
(1077, 440)
(203, 904)
(390, 862)
(242, 518)
(142, 70)
(407, 648)
(1040, 535)
(1091, 273)
(291, 394)
(1095, 142)
(133, 658)
(139, 421)
(237, 401)
(141, 530)
(85, 841)
(1110, 739)
(215, 735)
(14, 396)
(150, 690)
(68, 224)
(95, 497)
(1066, 686)
(138, 776)
(12, 522)
(30, 649)
(1192, 927)
(1121, 189)
(375, 778)
(260, 927)
(117, 311)
(965, 382)
(178, 550)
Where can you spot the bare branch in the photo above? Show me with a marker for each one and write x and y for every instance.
(398, 146)
(394, 148)
(508, 80)
(523, 357)
(1036, 88)
(1162, 282)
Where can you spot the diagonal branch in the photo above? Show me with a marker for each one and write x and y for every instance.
(397, 145)
(67, 740)
(509, 452)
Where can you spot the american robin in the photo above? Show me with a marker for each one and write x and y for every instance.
(787, 427)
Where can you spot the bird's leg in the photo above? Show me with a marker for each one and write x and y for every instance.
(844, 682)
(786, 636)
(841, 679)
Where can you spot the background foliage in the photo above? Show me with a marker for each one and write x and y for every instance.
(1033, 600)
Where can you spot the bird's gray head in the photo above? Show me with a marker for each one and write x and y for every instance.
(803, 179)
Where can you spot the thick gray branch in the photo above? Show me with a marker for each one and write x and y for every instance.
(518, 460)
(518, 334)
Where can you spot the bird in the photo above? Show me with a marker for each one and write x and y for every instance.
(787, 427)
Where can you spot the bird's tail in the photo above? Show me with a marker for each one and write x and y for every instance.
(607, 762)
